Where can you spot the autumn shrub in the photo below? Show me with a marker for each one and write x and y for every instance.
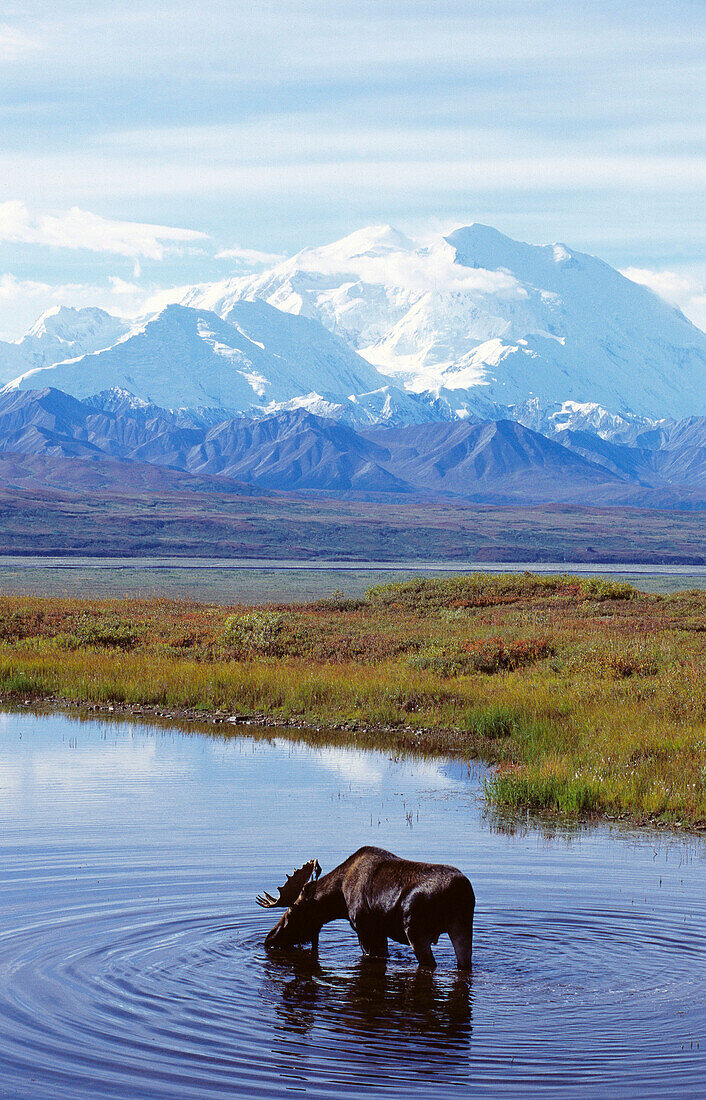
(624, 665)
(601, 588)
(496, 655)
(106, 633)
(19, 623)
(253, 632)
(423, 594)
(444, 660)
(338, 601)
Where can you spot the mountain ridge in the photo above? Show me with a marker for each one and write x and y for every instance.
(290, 452)
(488, 322)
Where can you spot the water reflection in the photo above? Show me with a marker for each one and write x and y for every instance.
(375, 996)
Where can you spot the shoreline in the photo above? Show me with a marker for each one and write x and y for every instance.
(419, 743)
(586, 696)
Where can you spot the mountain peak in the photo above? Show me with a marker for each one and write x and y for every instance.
(376, 236)
(478, 233)
(64, 321)
(479, 245)
(371, 242)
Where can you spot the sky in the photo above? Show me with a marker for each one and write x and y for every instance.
(150, 144)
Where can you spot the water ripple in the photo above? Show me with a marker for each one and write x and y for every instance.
(113, 999)
(132, 960)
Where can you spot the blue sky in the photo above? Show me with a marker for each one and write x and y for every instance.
(204, 128)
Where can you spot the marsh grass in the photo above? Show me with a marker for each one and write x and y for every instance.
(587, 695)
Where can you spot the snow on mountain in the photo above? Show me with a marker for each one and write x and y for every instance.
(325, 283)
(61, 333)
(495, 462)
(378, 327)
(117, 401)
(487, 323)
(577, 416)
(255, 358)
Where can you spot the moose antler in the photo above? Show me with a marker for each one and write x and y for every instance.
(292, 888)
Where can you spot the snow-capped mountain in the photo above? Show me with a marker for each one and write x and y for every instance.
(487, 322)
(380, 328)
(61, 333)
(256, 358)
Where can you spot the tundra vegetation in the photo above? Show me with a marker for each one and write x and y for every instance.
(587, 696)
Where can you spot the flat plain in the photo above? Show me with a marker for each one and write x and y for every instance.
(93, 522)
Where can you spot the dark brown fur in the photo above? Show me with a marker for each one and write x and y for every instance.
(385, 897)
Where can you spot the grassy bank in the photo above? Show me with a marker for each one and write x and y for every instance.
(587, 695)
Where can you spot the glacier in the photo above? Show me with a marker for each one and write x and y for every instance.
(61, 333)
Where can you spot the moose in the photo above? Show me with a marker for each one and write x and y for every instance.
(383, 897)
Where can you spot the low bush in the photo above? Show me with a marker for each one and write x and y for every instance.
(422, 594)
(338, 601)
(600, 588)
(493, 655)
(624, 665)
(444, 660)
(105, 633)
(496, 655)
(253, 632)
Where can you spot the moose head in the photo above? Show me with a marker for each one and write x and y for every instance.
(298, 924)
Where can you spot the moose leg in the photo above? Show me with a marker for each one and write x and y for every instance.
(373, 945)
(461, 936)
(372, 940)
(422, 951)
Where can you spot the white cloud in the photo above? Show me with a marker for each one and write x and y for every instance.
(249, 257)
(428, 269)
(679, 289)
(81, 175)
(80, 229)
(15, 43)
(121, 286)
(167, 296)
(12, 289)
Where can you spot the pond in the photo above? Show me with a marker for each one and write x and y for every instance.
(131, 947)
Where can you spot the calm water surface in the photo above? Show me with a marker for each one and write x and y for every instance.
(131, 959)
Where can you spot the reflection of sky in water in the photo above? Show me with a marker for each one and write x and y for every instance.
(60, 773)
